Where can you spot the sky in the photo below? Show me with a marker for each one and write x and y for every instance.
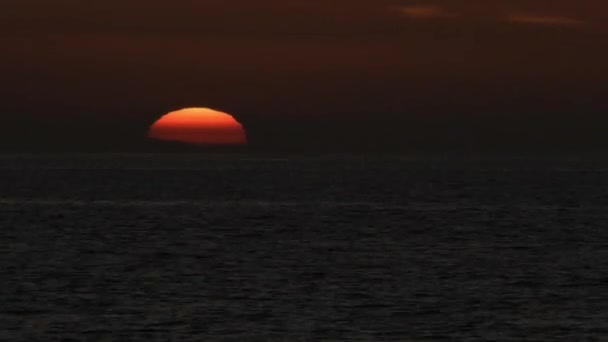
(444, 76)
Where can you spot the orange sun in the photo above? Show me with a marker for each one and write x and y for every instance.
(201, 126)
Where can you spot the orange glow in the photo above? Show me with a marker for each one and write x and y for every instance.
(543, 20)
(423, 12)
(202, 126)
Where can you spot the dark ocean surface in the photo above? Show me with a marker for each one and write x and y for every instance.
(244, 248)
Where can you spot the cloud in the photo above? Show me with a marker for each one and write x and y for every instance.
(423, 12)
(531, 19)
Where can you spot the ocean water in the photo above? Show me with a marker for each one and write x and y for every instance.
(245, 248)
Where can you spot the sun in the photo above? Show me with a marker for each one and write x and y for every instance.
(201, 126)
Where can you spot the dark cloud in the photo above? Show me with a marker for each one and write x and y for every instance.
(289, 17)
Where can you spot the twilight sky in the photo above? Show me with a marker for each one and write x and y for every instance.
(359, 75)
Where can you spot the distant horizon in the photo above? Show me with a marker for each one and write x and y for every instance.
(421, 136)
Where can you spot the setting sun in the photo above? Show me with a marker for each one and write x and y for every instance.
(201, 126)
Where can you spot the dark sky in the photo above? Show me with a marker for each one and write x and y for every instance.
(470, 76)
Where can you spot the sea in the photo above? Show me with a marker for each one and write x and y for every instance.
(240, 247)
